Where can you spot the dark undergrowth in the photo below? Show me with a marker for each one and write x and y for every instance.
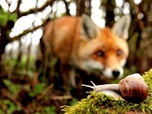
(25, 91)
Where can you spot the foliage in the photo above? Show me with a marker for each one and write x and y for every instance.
(12, 88)
(8, 106)
(98, 103)
(21, 92)
(6, 16)
(37, 89)
(13, 63)
(21, 99)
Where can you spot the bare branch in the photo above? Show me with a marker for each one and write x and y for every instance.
(66, 6)
(18, 6)
(26, 13)
(48, 2)
(25, 32)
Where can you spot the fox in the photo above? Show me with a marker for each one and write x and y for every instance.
(79, 43)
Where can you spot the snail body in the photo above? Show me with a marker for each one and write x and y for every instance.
(132, 88)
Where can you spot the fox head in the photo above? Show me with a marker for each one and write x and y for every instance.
(104, 49)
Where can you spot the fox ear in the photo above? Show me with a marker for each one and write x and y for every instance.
(121, 27)
(88, 28)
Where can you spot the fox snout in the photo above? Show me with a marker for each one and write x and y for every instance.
(113, 74)
(109, 73)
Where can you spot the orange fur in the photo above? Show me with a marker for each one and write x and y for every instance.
(72, 41)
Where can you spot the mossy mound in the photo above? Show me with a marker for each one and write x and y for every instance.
(98, 103)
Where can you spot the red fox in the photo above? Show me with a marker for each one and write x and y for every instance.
(79, 43)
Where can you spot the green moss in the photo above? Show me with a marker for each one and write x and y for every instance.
(98, 103)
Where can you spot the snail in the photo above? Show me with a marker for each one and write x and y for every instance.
(131, 88)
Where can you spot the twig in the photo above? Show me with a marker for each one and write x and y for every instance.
(11, 97)
(61, 97)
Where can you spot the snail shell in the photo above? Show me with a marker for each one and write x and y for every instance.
(133, 88)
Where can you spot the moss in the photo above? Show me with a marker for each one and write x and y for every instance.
(98, 103)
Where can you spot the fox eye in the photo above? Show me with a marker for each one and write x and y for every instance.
(119, 52)
(100, 53)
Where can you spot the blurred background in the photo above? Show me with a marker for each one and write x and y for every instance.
(27, 91)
